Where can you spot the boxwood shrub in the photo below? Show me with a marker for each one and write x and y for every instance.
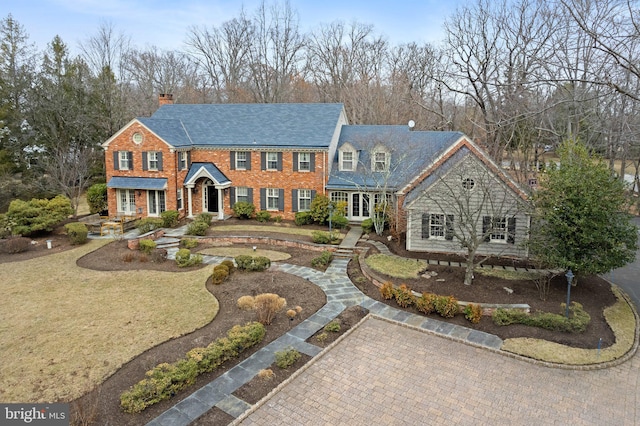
(77, 232)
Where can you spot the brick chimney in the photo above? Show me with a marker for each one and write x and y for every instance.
(165, 99)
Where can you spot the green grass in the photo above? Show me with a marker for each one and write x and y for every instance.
(282, 229)
(65, 329)
(395, 266)
(273, 255)
(509, 275)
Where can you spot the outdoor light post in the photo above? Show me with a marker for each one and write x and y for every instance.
(569, 276)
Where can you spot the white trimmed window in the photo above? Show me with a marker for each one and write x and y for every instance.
(242, 194)
(499, 230)
(156, 200)
(272, 199)
(337, 196)
(179, 199)
(304, 200)
(380, 163)
(152, 160)
(272, 161)
(182, 160)
(241, 160)
(304, 161)
(436, 226)
(347, 160)
(123, 160)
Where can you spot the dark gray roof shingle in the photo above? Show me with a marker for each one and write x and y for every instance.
(246, 125)
(137, 183)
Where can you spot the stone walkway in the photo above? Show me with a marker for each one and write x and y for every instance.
(341, 293)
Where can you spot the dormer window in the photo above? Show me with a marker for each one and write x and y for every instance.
(347, 161)
(380, 161)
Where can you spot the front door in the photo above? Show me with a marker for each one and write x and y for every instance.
(359, 206)
(211, 199)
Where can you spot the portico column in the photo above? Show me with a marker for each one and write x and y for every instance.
(220, 204)
(189, 189)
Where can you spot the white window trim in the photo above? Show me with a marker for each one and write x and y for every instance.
(123, 160)
(269, 160)
(245, 197)
(307, 163)
(307, 192)
(276, 197)
(342, 160)
(152, 157)
(441, 225)
(182, 160)
(157, 206)
(499, 235)
(238, 166)
(180, 199)
(131, 197)
(375, 161)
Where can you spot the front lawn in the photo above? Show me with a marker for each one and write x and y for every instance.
(64, 329)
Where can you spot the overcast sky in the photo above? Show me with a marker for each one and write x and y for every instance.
(164, 23)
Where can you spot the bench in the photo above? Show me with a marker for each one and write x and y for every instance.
(93, 222)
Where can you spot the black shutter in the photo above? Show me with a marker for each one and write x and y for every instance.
(511, 228)
(486, 227)
(248, 160)
(250, 195)
(144, 160)
(188, 159)
(116, 160)
(232, 196)
(281, 200)
(159, 160)
(312, 162)
(295, 162)
(130, 157)
(263, 198)
(263, 161)
(279, 162)
(313, 194)
(425, 226)
(294, 200)
(232, 155)
(448, 234)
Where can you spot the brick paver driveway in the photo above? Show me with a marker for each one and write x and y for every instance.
(384, 373)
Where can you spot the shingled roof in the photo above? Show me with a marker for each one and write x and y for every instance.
(247, 125)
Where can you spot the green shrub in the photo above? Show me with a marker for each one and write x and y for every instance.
(184, 258)
(147, 246)
(169, 218)
(576, 323)
(77, 232)
(338, 221)
(244, 210)
(15, 245)
(220, 273)
(97, 198)
(386, 290)
(205, 218)
(403, 295)
(473, 313)
(250, 263)
(303, 218)
(229, 264)
(287, 357)
(189, 243)
(333, 326)
(197, 227)
(446, 306)
(5, 229)
(277, 219)
(323, 260)
(27, 217)
(148, 224)
(367, 226)
(165, 380)
(322, 237)
(263, 216)
(319, 209)
(425, 303)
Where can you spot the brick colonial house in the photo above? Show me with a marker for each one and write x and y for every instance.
(205, 158)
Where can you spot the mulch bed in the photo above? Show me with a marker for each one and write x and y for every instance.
(102, 406)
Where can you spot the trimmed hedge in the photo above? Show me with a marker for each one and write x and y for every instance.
(576, 323)
(244, 210)
(147, 246)
(165, 380)
(148, 224)
(77, 232)
(170, 218)
(250, 263)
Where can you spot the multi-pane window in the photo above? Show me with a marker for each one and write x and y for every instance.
(498, 229)
(179, 199)
(272, 161)
(304, 200)
(272, 199)
(242, 194)
(337, 196)
(436, 226)
(241, 160)
(126, 202)
(347, 160)
(182, 160)
(156, 202)
(124, 163)
(152, 159)
(304, 161)
(379, 161)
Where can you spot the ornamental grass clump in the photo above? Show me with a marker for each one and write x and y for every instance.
(267, 305)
